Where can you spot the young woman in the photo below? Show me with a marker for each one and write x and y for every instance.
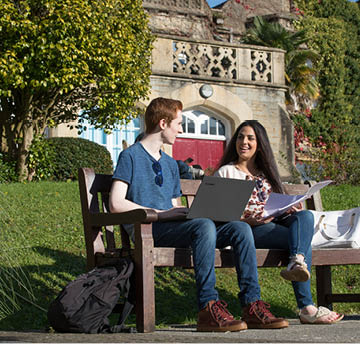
(249, 157)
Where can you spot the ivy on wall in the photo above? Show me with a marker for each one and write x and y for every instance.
(330, 130)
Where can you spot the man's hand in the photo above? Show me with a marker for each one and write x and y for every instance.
(175, 213)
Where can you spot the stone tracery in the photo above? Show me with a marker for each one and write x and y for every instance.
(220, 61)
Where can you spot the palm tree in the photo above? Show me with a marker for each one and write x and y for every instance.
(300, 73)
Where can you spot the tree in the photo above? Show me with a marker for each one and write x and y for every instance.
(58, 57)
(299, 62)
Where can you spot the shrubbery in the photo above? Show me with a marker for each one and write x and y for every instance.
(329, 133)
(7, 170)
(74, 153)
(60, 158)
(41, 158)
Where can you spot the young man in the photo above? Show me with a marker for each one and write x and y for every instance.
(146, 177)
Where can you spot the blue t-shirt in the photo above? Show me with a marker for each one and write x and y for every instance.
(135, 166)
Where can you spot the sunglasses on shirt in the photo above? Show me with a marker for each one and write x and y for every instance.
(158, 172)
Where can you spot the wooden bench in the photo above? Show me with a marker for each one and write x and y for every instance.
(101, 248)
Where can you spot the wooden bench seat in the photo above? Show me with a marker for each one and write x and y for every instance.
(101, 248)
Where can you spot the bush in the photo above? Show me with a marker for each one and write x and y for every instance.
(40, 160)
(7, 170)
(69, 154)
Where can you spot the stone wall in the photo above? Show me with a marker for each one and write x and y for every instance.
(194, 19)
(181, 18)
(240, 93)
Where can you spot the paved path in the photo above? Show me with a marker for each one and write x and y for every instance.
(346, 331)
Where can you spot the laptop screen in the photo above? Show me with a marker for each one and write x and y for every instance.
(221, 199)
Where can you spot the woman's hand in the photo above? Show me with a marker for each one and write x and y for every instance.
(175, 213)
(255, 221)
(296, 208)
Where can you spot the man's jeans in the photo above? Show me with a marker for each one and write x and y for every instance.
(295, 234)
(203, 236)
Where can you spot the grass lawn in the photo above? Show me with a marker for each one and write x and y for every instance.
(42, 236)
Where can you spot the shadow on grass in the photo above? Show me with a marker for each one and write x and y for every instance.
(46, 281)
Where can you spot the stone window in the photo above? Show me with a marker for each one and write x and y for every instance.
(197, 124)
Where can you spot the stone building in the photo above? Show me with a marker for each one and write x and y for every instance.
(199, 59)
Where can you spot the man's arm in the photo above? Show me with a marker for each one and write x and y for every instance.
(118, 203)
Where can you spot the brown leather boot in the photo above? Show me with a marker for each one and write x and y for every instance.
(215, 318)
(258, 315)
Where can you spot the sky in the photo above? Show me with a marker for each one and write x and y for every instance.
(213, 3)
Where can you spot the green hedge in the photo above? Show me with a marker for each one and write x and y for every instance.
(59, 159)
(70, 154)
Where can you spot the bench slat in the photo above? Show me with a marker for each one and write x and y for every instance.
(335, 256)
(265, 257)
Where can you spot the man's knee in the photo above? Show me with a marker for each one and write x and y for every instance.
(241, 231)
(204, 228)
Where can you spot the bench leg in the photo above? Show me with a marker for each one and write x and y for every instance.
(144, 276)
(323, 286)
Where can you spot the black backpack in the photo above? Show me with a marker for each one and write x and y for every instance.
(85, 303)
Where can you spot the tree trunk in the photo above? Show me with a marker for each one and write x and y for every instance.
(28, 135)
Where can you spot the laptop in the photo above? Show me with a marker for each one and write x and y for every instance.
(221, 199)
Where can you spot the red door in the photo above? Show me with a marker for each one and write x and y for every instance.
(204, 152)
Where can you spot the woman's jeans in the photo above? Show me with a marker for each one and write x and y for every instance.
(203, 236)
(293, 233)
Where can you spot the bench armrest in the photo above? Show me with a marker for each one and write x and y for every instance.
(129, 217)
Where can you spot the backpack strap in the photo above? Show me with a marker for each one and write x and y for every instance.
(120, 326)
(128, 291)
(128, 307)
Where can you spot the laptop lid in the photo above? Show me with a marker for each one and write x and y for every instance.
(221, 199)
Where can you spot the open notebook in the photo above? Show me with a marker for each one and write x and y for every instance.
(277, 204)
(221, 199)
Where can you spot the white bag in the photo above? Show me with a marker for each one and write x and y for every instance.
(337, 229)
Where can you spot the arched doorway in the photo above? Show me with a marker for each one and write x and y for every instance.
(203, 140)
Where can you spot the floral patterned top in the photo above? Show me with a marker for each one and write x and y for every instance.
(260, 194)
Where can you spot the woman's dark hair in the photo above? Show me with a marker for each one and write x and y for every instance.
(264, 159)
